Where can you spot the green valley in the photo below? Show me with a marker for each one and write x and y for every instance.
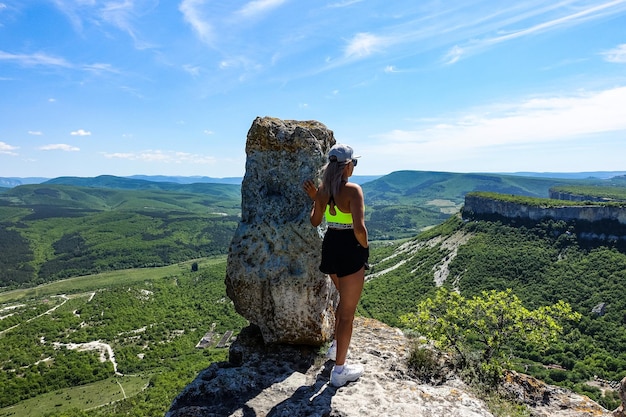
(109, 284)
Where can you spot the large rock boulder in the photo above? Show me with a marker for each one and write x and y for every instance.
(272, 273)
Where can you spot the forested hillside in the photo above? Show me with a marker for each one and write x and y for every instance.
(403, 203)
(542, 262)
(49, 232)
(72, 226)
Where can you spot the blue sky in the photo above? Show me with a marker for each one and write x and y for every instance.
(124, 87)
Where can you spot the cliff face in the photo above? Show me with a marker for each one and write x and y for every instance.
(477, 205)
(558, 195)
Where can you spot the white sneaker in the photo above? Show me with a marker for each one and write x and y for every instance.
(350, 373)
(332, 351)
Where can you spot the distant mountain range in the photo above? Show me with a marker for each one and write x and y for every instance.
(398, 205)
(10, 182)
(603, 175)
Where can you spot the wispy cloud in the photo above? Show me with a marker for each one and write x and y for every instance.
(534, 120)
(34, 59)
(193, 70)
(80, 132)
(192, 14)
(35, 132)
(344, 3)
(120, 14)
(257, 7)
(616, 55)
(168, 157)
(472, 29)
(548, 22)
(7, 149)
(45, 60)
(100, 68)
(59, 147)
(123, 15)
(365, 44)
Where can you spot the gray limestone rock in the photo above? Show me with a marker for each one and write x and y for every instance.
(272, 271)
(293, 381)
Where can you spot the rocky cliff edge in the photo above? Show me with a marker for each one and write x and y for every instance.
(286, 380)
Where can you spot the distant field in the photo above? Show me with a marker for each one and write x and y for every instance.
(122, 339)
(105, 279)
(83, 397)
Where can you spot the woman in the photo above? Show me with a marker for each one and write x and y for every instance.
(345, 249)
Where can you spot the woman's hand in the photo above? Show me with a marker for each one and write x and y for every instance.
(310, 188)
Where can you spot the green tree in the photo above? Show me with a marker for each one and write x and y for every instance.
(489, 324)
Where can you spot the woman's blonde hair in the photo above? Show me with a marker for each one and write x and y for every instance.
(333, 176)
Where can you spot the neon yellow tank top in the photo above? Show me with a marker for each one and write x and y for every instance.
(340, 218)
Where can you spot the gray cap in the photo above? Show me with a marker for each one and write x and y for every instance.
(341, 153)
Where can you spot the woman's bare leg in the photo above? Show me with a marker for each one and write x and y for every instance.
(350, 288)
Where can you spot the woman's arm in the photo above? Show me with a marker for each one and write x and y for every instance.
(357, 208)
(320, 199)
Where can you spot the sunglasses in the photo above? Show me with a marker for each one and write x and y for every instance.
(354, 162)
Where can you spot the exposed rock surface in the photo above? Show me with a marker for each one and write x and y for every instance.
(288, 380)
(272, 271)
(483, 205)
(568, 196)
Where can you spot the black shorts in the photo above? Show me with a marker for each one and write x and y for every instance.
(342, 254)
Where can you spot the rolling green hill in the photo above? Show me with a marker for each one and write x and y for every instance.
(403, 203)
(53, 231)
(71, 225)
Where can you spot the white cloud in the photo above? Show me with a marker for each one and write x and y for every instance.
(7, 149)
(488, 25)
(364, 44)
(193, 16)
(208, 132)
(533, 121)
(119, 14)
(35, 133)
(454, 55)
(80, 132)
(256, 7)
(101, 68)
(59, 147)
(34, 59)
(168, 157)
(344, 3)
(193, 70)
(45, 60)
(616, 55)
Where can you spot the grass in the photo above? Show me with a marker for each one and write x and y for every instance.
(82, 397)
(105, 279)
